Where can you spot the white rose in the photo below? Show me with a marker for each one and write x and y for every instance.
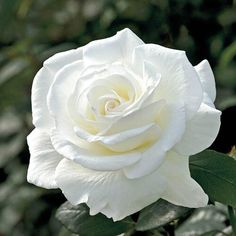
(116, 122)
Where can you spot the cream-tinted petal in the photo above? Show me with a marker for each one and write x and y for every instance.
(116, 82)
(110, 193)
(43, 160)
(61, 59)
(92, 157)
(116, 48)
(58, 97)
(42, 82)
(207, 78)
(40, 112)
(200, 131)
(179, 80)
(172, 122)
(181, 188)
(125, 141)
(136, 118)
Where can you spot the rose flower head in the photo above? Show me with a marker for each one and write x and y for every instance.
(116, 121)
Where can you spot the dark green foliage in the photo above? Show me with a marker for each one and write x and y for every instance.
(78, 220)
(159, 214)
(216, 173)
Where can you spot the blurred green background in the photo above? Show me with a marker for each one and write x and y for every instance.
(33, 30)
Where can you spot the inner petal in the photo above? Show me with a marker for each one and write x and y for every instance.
(111, 104)
(128, 140)
(101, 98)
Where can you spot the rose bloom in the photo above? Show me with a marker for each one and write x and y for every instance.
(116, 121)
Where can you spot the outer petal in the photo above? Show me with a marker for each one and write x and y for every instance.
(43, 160)
(108, 192)
(61, 59)
(207, 78)
(126, 140)
(138, 163)
(115, 48)
(200, 132)
(91, 157)
(42, 83)
(126, 122)
(181, 188)
(153, 156)
(179, 81)
(58, 96)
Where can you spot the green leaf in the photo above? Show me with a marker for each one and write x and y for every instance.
(65, 232)
(216, 173)
(203, 221)
(158, 214)
(78, 220)
(211, 233)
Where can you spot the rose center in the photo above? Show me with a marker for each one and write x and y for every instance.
(111, 104)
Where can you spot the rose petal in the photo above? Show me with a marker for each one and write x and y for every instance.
(42, 83)
(172, 123)
(179, 81)
(207, 78)
(126, 140)
(116, 48)
(116, 81)
(92, 157)
(181, 188)
(43, 160)
(139, 116)
(61, 59)
(200, 131)
(108, 192)
(59, 94)
(151, 79)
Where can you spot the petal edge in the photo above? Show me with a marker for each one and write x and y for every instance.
(43, 160)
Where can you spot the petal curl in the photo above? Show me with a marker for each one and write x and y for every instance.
(108, 192)
(140, 117)
(116, 48)
(92, 157)
(181, 188)
(207, 78)
(126, 140)
(43, 160)
(172, 123)
(61, 59)
(59, 94)
(42, 82)
(41, 85)
(179, 80)
(200, 131)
